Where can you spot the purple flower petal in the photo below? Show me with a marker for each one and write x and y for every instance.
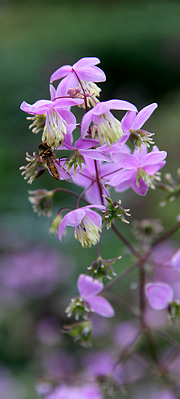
(94, 217)
(86, 61)
(71, 219)
(144, 115)
(159, 295)
(61, 72)
(142, 188)
(70, 81)
(105, 106)
(52, 92)
(123, 160)
(88, 287)
(84, 144)
(128, 120)
(101, 306)
(176, 260)
(91, 74)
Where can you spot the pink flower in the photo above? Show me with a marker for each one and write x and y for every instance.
(86, 222)
(159, 295)
(132, 121)
(57, 117)
(138, 170)
(105, 124)
(80, 76)
(89, 290)
(75, 392)
(84, 147)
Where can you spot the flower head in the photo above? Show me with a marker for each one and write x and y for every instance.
(105, 124)
(132, 123)
(79, 79)
(89, 290)
(57, 117)
(159, 295)
(139, 170)
(86, 223)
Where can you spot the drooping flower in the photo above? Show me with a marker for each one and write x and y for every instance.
(107, 127)
(80, 78)
(159, 295)
(86, 223)
(56, 115)
(89, 290)
(132, 123)
(139, 170)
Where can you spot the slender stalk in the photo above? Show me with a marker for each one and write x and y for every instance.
(66, 190)
(142, 277)
(126, 242)
(122, 275)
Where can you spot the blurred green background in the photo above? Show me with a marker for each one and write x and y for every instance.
(138, 43)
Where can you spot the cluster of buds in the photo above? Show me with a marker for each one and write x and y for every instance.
(102, 267)
(114, 210)
(172, 187)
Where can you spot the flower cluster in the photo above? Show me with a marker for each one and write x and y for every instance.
(100, 153)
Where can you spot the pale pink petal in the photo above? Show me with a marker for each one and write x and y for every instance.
(82, 180)
(176, 260)
(72, 218)
(94, 217)
(93, 154)
(101, 306)
(69, 82)
(91, 74)
(152, 169)
(85, 143)
(86, 121)
(121, 177)
(153, 158)
(86, 61)
(39, 107)
(68, 116)
(105, 106)
(93, 195)
(128, 120)
(159, 295)
(140, 189)
(128, 161)
(26, 107)
(61, 72)
(88, 287)
(144, 115)
(67, 102)
(52, 92)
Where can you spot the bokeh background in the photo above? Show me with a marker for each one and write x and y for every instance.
(138, 43)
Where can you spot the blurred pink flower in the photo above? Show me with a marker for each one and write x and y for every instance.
(75, 392)
(159, 295)
(32, 273)
(89, 290)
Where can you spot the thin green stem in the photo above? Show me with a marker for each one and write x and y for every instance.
(126, 242)
(66, 190)
(120, 277)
